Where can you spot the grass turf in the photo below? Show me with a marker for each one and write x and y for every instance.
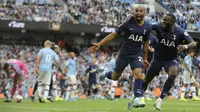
(97, 106)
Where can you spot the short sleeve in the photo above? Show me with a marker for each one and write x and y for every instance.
(67, 63)
(186, 60)
(148, 32)
(155, 27)
(40, 52)
(185, 36)
(56, 57)
(120, 29)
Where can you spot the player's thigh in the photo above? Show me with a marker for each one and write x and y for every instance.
(136, 66)
(73, 79)
(45, 78)
(186, 77)
(172, 67)
(121, 64)
(155, 67)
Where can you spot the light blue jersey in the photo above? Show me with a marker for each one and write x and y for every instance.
(71, 66)
(112, 64)
(47, 58)
(188, 60)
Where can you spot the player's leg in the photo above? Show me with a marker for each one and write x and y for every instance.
(136, 66)
(172, 68)
(39, 89)
(94, 90)
(14, 87)
(89, 90)
(186, 81)
(112, 89)
(50, 95)
(152, 71)
(34, 90)
(120, 64)
(6, 90)
(46, 85)
(193, 89)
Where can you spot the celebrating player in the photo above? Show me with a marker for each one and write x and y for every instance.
(169, 44)
(188, 77)
(16, 70)
(44, 61)
(136, 33)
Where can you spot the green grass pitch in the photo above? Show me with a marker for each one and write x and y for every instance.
(97, 106)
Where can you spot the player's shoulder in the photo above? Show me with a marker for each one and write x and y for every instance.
(181, 31)
(147, 24)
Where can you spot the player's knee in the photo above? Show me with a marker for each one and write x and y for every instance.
(172, 76)
(46, 87)
(138, 74)
(116, 76)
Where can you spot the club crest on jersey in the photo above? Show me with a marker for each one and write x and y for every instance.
(136, 38)
(168, 43)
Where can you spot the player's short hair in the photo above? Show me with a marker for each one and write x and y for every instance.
(53, 45)
(48, 43)
(173, 17)
(190, 51)
(115, 54)
(5, 66)
(141, 7)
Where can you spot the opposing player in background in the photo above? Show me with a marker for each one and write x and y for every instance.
(111, 92)
(44, 61)
(70, 70)
(169, 44)
(188, 77)
(92, 72)
(17, 71)
(136, 33)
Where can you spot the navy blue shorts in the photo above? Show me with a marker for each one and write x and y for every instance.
(156, 66)
(123, 61)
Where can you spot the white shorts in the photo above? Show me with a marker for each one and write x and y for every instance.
(44, 77)
(114, 83)
(72, 79)
(187, 79)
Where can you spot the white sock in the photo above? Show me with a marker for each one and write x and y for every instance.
(68, 92)
(39, 90)
(46, 91)
(193, 89)
(112, 93)
(183, 89)
(55, 93)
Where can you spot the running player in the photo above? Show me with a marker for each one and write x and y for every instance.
(136, 33)
(44, 61)
(169, 44)
(15, 70)
(188, 77)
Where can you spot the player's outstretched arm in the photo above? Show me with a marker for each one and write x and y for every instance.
(108, 38)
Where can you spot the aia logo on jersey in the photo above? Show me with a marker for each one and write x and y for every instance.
(167, 43)
(136, 38)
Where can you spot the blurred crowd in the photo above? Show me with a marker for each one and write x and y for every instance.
(125, 86)
(103, 12)
(186, 15)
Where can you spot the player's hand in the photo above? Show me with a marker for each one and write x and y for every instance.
(94, 48)
(152, 49)
(191, 75)
(36, 70)
(145, 63)
(181, 48)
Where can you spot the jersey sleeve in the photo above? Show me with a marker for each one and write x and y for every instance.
(40, 52)
(155, 27)
(148, 32)
(88, 69)
(67, 63)
(185, 36)
(56, 57)
(120, 29)
(186, 60)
